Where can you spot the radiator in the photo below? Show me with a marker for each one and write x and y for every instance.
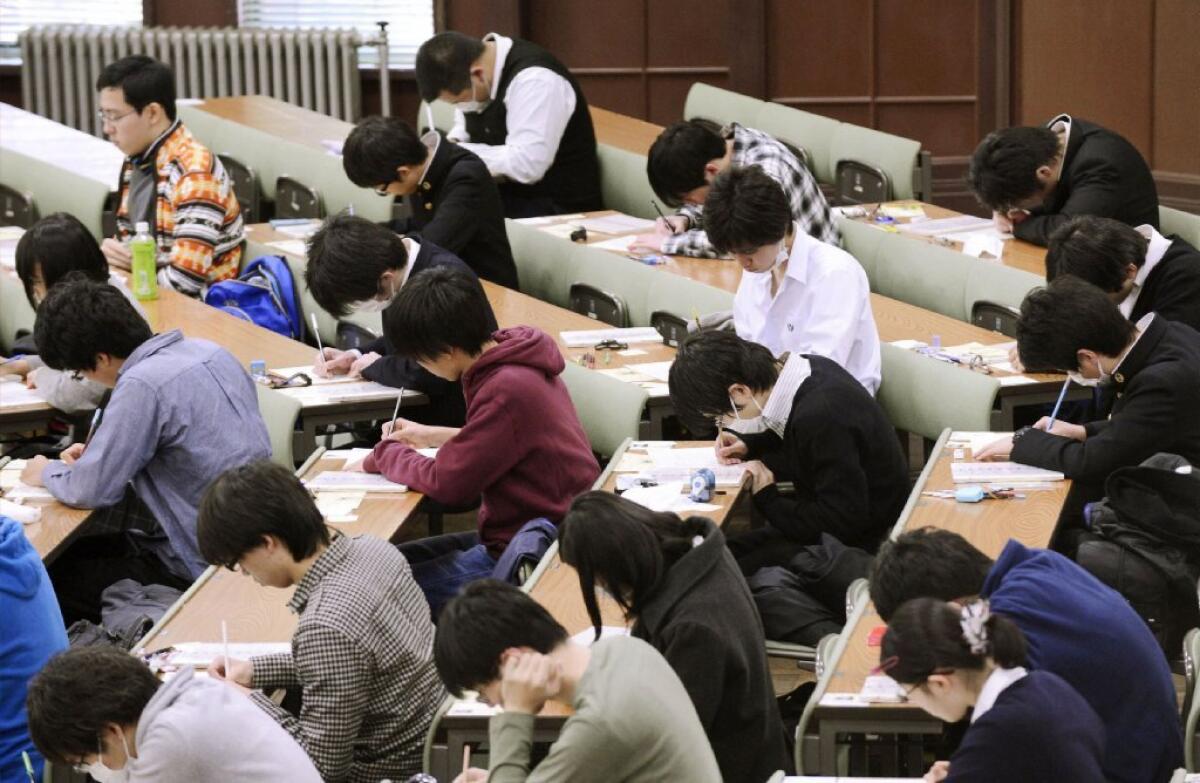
(316, 69)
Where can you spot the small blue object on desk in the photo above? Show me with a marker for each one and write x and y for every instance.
(969, 494)
(703, 483)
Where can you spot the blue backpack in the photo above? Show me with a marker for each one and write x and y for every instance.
(264, 294)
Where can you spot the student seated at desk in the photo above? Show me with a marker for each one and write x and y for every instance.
(1036, 179)
(169, 180)
(679, 585)
(1076, 627)
(362, 652)
(452, 197)
(182, 411)
(796, 294)
(1149, 373)
(632, 719)
(32, 632)
(522, 112)
(101, 710)
(953, 659)
(1140, 269)
(522, 448)
(51, 249)
(686, 158)
(355, 265)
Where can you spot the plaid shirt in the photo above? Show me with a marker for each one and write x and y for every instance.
(198, 221)
(755, 148)
(363, 655)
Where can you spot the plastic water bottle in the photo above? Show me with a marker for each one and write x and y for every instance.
(145, 262)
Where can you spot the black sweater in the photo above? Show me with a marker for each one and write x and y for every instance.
(702, 619)
(1038, 730)
(457, 207)
(842, 455)
(1103, 175)
(1172, 288)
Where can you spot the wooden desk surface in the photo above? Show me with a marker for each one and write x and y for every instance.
(255, 613)
(72, 150)
(624, 132)
(56, 529)
(278, 118)
(988, 525)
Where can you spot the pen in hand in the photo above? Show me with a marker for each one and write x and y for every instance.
(670, 226)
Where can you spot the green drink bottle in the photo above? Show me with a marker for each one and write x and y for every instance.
(145, 264)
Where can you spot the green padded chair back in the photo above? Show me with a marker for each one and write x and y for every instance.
(615, 274)
(610, 410)
(1191, 704)
(923, 274)
(15, 312)
(280, 412)
(863, 241)
(895, 155)
(431, 734)
(685, 298)
(988, 281)
(924, 396)
(546, 264)
(802, 129)
(1185, 224)
(624, 185)
(720, 106)
(56, 189)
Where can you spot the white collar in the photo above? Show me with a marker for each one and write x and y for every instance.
(432, 140)
(1141, 327)
(779, 405)
(1062, 124)
(503, 45)
(798, 257)
(996, 683)
(1154, 252)
(413, 247)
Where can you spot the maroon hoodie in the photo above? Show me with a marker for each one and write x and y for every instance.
(522, 447)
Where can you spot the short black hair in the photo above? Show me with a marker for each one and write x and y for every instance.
(1065, 316)
(480, 623)
(622, 547)
(1004, 166)
(56, 246)
(81, 318)
(245, 503)
(444, 64)
(346, 257)
(706, 365)
(1097, 250)
(377, 147)
(925, 636)
(745, 210)
(926, 563)
(678, 156)
(78, 693)
(437, 310)
(143, 80)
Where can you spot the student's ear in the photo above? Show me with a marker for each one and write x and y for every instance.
(1084, 357)
(711, 170)
(938, 684)
(269, 543)
(739, 391)
(402, 172)
(1131, 272)
(1045, 174)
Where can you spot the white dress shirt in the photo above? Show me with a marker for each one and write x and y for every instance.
(996, 683)
(1154, 253)
(796, 370)
(539, 103)
(822, 307)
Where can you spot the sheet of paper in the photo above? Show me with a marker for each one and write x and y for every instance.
(587, 637)
(633, 462)
(349, 455)
(23, 492)
(339, 506)
(14, 394)
(586, 338)
(995, 352)
(201, 653)
(1015, 380)
(561, 230)
(999, 473)
(949, 225)
(631, 352)
(472, 708)
(328, 394)
(300, 231)
(881, 689)
(909, 345)
(295, 247)
(352, 481)
(980, 247)
(660, 498)
(659, 371)
(618, 244)
(546, 220)
(307, 369)
(617, 224)
(975, 441)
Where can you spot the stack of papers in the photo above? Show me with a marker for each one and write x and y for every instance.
(587, 338)
(546, 220)
(357, 390)
(667, 496)
(950, 225)
(352, 481)
(1000, 473)
(293, 247)
(14, 394)
(617, 224)
(202, 653)
(339, 506)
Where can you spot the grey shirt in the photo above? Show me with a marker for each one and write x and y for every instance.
(183, 412)
(633, 721)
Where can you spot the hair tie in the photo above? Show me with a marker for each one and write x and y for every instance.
(973, 620)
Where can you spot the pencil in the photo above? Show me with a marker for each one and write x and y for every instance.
(92, 427)
(396, 412)
(312, 317)
(225, 645)
(466, 760)
(1061, 396)
(669, 224)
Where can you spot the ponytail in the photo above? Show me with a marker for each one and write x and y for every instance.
(927, 635)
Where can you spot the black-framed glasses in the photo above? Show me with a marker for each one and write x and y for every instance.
(611, 345)
(382, 190)
(108, 118)
(290, 382)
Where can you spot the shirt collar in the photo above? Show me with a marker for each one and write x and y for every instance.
(996, 683)
(414, 249)
(432, 140)
(778, 409)
(503, 45)
(798, 257)
(1154, 252)
(152, 346)
(333, 555)
(1142, 326)
(148, 155)
(1062, 126)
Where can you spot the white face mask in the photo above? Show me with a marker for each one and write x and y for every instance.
(780, 257)
(473, 106)
(1105, 378)
(104, 774)
(748, 426)
(375, 305)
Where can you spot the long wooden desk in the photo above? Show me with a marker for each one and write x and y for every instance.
(278, 118)
(988, 525)
(254, 613)
(81, 154)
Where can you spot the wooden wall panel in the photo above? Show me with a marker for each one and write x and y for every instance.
(621, 93)
(480, 17)
(926, 47)
(947, 130)
(581, 40)
(684, 33)
(668, 93)
(1176, 136)
(817, 49)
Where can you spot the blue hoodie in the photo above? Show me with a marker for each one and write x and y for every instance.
(1085, 632)
(31, 630)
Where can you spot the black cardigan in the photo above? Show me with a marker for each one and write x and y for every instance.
(1156, 407)
(702, 619)
(457, 207)
(1172, 288)
(842, 455)
(1103, 175)
(1039, 730)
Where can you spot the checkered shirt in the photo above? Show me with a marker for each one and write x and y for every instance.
(755, 148)
(363, 656)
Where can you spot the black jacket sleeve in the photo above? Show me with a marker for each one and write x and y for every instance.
(455, 220)
(402, 373)
(1095, 190)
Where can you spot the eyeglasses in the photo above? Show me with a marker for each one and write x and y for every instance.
(382, 190)
(611, 345)
(110, 119)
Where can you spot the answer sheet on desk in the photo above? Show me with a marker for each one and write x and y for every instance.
(14, 394)
(352, 481)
